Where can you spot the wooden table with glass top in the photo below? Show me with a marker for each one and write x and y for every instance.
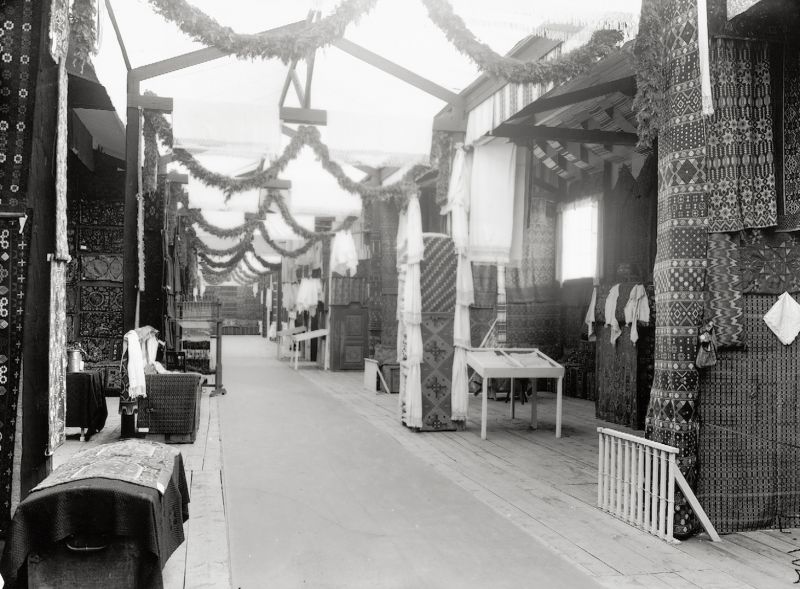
(516, 363)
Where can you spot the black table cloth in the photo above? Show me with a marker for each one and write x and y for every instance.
(101, 507)
(86, 403)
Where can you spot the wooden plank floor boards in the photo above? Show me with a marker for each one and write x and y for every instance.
(201, 561)
(547, 487)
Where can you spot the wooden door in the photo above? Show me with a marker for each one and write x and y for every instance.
(349, 336)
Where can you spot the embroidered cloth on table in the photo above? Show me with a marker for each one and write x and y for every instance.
(637, 310)
(784, 318)
(611, 313)
(492, 202)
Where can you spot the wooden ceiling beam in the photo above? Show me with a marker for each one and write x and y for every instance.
(398, 71)
(149, 102)
(626, 85)
(565, 134)
(304, 116)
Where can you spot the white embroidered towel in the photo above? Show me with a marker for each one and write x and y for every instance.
(136, 380)
(610, 312)
(589, 319)
(784, 318)
(637, 309)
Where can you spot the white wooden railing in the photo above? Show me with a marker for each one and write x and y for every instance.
(636, 481)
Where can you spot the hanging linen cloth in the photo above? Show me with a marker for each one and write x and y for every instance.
(457, 206)
(637, 309)
(344, 256)
(589, 318)
(412, 317)
(610, 312)
(741, 170)
(402, 254)
(783, 318)
(492, 183)
(136, 363)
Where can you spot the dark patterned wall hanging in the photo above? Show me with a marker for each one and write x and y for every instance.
(679, 274)
(101, 298)
(106, 267)
(99, 240)
(99, 349)
(724, 305)
(790, 219)
(770, 262)
(13, 268)
(19, 46)
(741, 168)
(101, 324)
(106, 213)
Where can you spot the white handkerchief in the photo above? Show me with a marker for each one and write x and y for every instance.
(784, 318)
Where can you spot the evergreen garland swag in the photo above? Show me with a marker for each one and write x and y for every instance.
(288, 44)
(304, 136)
(83, 32)
(555, 71)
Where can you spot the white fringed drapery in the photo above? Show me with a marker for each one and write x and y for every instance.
(458, 201)
(411, 318)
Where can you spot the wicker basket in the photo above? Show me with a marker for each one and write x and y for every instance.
(172, 405)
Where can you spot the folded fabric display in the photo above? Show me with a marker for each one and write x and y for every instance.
(611, 313)
(637, 310)
(784, 318)
(344, 256)
(309, 293)
(589, 319)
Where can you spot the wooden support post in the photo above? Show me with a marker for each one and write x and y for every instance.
(279, 308)
(218, 388)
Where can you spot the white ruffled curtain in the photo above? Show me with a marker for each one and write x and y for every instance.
(411, 315)
(344, 256)
(457, 205)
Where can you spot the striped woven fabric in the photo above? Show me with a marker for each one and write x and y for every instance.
(438, 274)
(724, 305)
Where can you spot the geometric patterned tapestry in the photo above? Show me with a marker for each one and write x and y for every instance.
(679, 273)
(724, 303)
(770, 262)
(790, 219)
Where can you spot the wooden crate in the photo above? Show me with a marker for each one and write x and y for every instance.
(59, 567)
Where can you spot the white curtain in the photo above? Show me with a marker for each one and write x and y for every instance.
(494, 169)
(412, 317)
(344, 256)
(457, 205)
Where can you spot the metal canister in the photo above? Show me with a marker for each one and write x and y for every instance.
(74, 360)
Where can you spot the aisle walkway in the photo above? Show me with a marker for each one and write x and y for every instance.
(318, 496)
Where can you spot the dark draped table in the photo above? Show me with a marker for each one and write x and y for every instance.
(86, 402)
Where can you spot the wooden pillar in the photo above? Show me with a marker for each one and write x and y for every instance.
(130, 255)
(41, 191)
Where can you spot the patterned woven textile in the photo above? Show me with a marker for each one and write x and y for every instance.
(679, 273)
(436, 370)
(106, 267)
(99, 240)
(535, 278)
(484, 280)
(100, 298)
(101, 212)
(750, 430)
(535, 325)
(789, 213)
(724, 304)
(438, 274)
(99, 349)
(770, 262)
(20, 42)
(389, 320)
(741, 171)
(13, 268)
(480, 321)
(624, 376)
(101, 324)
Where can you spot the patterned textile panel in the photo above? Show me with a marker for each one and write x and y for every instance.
(480, 320)
(581, 360)
(21, 33)
(535, 325)
(99, 239)
(770, 262)
(106, 267)
(99, 349)
(790, 219)
(436, 369)
(154, 210)
(345, 290)
(101, 212)
(624, 376)
(535, 278)
(72, 299)
(72, 270)
(750, 430)
(71, 334)
(484, 281)
(112, 375)
(724, 304)
(101, 324)
(386, 217)
(679, 273)
(438, 275)
(101, 298)
(389, 320)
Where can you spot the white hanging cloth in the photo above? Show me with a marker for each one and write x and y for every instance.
(784, 318)
(136, 362)
(344, 256)
(589, 319)
(637, 310)
(492, 202)
(610, 312)
(412, 318)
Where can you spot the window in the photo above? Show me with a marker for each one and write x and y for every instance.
(578, 240)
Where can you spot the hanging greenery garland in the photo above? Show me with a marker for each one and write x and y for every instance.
(292, 43)
(231, 262)
(201, 246)
(305, 136)
(83, 32)
(250, 267)
(651, 78)
(555, 71)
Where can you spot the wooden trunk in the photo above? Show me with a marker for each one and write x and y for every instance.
(59, 567)
(348, 336)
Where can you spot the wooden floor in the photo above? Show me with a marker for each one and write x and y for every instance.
(202, 560)
(548, 488)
